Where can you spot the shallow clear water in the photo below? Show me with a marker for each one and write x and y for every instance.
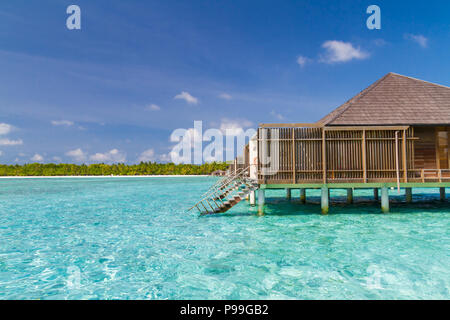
(131, 238)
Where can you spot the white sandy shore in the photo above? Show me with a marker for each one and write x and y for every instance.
(143, 176)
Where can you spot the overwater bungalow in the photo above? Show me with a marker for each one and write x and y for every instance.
(395, 133)
(218, 173)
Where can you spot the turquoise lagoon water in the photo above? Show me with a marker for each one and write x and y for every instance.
(131, 238)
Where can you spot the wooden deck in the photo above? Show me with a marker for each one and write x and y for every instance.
(296, 154)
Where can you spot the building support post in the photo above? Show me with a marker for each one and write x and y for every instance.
(408, 195)
(325, 200)
(349, 195)
(442, 193)
(303, 195)
(384, 200)
(252, 197)
(261, 201)
(375, 194)
(288, 193)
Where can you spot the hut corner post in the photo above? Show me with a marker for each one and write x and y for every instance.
(325, 197)
(324, 157)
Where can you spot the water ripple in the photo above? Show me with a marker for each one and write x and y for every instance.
(132, 239)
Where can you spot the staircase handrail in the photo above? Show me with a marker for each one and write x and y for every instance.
(225, 184)
(223, 181)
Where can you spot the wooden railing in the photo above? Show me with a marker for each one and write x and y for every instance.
(304, 153)
(435, 175)
(237, 165)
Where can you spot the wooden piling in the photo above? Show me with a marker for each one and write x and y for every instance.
(261, 201)
(349, 195)
(288, 193)
(252, 197)
(325, 200)
(303, 195)
(384, 200)
(408, 195)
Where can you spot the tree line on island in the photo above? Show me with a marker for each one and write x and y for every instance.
(101, 169)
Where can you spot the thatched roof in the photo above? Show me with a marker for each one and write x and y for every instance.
(395, 100)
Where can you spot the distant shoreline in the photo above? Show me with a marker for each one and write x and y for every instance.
(118, 176)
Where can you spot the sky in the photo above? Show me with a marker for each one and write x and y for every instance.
(115, 90)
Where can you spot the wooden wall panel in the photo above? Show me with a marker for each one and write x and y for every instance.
(425, 148)
(351, 154)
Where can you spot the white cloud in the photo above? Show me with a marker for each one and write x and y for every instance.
(150, 156)
(194, 134)
(165, 158)
(8, 142)
(225, 96)
(147, 156)
(57, 159)
(77, 154)
(339, 51)
(5, 128)
(1, 152)
(277, 115)
(153, 107)
(112, 156)
(218, 157)
(37, 158)
(380, 42)
(302, 61)
(234, 127)
(418, 38)
(62, 123)
(187, 97)
(176, 158)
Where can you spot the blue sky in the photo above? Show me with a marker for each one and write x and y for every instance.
(107, 92)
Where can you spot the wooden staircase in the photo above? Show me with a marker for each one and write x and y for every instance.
(226, 193)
